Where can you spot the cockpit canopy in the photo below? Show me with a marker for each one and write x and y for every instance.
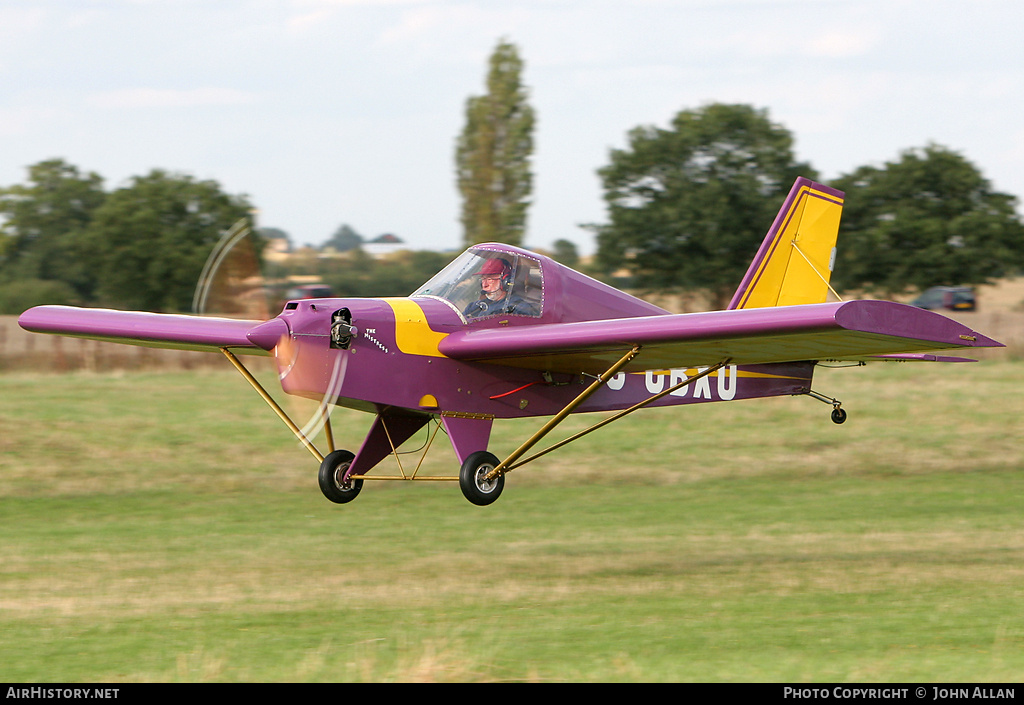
(482, 282)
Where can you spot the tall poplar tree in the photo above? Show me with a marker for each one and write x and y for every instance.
(493, 152)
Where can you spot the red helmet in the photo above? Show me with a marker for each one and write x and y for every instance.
(496, 266)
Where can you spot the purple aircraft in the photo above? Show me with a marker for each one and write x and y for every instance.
(502, 332)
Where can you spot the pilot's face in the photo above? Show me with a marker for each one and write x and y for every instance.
(490, 283)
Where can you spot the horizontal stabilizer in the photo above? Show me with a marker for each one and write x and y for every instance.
(909, 357)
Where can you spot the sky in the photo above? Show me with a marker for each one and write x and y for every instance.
(332, 112)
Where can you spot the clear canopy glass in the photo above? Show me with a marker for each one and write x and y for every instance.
(481, 283)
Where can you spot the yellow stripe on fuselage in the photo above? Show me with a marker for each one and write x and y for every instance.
(413, 334)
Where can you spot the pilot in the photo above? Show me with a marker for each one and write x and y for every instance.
(496, 292)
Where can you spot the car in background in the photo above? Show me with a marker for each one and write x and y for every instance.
(953, 298)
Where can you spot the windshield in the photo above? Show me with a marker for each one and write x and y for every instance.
(482, 283)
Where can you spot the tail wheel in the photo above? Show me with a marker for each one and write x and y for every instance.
(473, 478)
(332, 478)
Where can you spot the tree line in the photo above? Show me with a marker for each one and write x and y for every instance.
(64, 239)
(687, 205)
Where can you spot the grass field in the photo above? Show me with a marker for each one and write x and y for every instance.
(166, 527)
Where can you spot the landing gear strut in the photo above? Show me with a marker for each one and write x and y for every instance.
(838, 412)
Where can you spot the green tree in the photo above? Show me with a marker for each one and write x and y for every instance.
(42, 226)
(398, 274)
(492, 155)
(565, 251)
(21, 294)
(345, 238)
(689, 205)
(148, 242)
(928, 219)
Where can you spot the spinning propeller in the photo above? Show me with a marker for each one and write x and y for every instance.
(232, 284)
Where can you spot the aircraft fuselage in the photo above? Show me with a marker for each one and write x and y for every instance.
(391, 359)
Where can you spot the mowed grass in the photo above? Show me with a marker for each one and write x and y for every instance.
(166, 527)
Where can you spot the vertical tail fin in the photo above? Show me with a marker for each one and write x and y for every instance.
(796, 258)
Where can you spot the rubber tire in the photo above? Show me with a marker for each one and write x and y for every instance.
(838, 416)
(471, 479)
(331, 470)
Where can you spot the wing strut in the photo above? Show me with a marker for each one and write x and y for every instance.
(504, 466)
(639, 405)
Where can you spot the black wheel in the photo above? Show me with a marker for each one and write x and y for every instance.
(332, 472)
(838, 415)
(472, 478)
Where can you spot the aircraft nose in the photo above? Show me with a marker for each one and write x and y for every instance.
(268, 334)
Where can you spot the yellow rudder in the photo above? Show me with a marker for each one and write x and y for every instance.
(794, 264)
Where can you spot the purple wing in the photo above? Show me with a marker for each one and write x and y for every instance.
(157, 330)
(854, 330)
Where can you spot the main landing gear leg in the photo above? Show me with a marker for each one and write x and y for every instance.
(275, 406)
(333, 469)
